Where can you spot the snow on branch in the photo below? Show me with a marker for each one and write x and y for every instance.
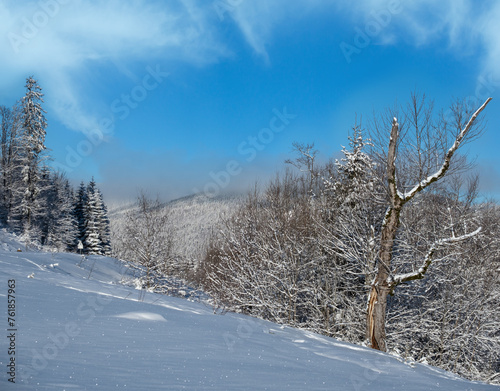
(420, 273)
(446, 163)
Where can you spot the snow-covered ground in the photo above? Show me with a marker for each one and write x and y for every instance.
(83, 326)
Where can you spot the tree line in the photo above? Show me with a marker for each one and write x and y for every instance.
(37, 202)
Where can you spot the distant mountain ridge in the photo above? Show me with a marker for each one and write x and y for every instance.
(194, 216)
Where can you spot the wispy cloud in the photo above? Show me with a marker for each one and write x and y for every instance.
(464, 27)
(259, 20)
(60, 40)
(490, 31)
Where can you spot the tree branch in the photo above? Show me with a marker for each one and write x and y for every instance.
(447, 159)
(422, 270)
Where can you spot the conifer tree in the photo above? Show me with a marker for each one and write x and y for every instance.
(79, 213)
(33, 139)
(103, 224)
(97, 231)
(355, 172)
(61, 226)
(92, 239)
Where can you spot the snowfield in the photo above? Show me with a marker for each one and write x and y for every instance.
(84, 326)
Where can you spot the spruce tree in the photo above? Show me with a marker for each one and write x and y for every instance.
(33, 139)
(92, 240)
(97, 228)
(355, 172)
(103, 224)
(61, 226)
(79, 213)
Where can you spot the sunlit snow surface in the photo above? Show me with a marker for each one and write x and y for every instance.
(80, 328)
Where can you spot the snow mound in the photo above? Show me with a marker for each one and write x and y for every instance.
(148, 316)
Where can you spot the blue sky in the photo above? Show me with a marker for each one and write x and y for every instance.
(184, 95)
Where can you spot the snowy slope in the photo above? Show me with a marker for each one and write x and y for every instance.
(80, 328)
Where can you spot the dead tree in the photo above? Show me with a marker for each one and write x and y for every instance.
(385, 281)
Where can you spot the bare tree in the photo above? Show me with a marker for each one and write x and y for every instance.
(385, 280)
(305, 161)
(11, 123)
